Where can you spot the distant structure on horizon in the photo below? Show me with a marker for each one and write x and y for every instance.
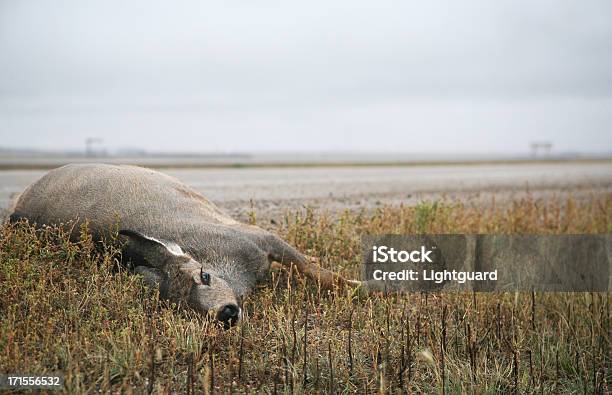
(541, 148)
(89, 143)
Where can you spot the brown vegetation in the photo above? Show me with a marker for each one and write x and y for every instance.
(69, 307)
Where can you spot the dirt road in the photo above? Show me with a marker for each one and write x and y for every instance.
(270, 191)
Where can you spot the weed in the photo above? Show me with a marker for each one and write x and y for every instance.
(69, 306)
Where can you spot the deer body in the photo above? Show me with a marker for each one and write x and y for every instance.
(178, 239)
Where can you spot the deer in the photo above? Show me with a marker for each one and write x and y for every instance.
(176, 239)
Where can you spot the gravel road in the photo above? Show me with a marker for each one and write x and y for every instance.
(271, 191)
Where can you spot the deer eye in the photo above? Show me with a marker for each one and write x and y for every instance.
(205, 278)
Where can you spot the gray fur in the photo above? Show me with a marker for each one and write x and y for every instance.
(171, 217)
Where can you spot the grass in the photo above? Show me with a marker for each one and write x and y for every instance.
(70, 307)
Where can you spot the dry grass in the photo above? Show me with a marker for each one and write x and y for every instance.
(69, 307)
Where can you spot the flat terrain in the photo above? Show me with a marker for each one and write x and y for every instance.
(271, 191)
(65, 307)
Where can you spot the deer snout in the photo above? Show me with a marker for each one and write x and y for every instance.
(229, 315)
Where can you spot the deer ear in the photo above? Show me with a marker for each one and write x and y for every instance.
(157, 252)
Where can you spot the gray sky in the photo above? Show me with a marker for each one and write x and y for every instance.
(427, 76)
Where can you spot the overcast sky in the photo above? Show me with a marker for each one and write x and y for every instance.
(415, 76)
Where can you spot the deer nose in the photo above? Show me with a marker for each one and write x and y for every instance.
(229, 314)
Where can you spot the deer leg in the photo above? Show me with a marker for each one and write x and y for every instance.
(309, 267)
(286, 255)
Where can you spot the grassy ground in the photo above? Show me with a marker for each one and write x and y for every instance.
(66, 307)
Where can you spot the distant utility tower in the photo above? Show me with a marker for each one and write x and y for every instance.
(541, 147)
(89, 142)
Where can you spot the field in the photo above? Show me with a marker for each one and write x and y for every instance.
(69, 307)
